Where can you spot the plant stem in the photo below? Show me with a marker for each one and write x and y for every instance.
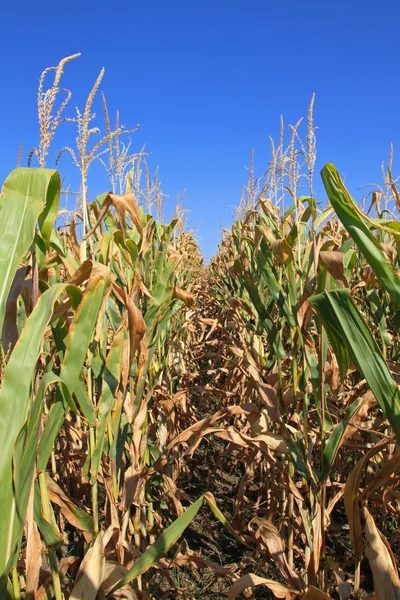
(92, 446)
(15, 584)
(45, 503)
(35, 277)
(290, 521)
(95, 497)
(84, 216)
(357, 576)
(323, 485)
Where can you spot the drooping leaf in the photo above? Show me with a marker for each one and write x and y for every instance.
(348, 212)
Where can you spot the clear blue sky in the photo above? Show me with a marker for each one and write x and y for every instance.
(207, 81)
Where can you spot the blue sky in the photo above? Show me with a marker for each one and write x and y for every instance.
(207, 81)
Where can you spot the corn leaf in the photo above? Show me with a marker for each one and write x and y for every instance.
(162, 544)
(346, 328)
(79, 337)
(26, 194)
(15, 398)
(348, 212)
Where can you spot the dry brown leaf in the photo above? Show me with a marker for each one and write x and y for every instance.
(33, 550)
(57, 496)
(186, 297)
(270, 537)
(304, 313)
(270, 398)
(250, 580)
(351, 496)
(388, 497)
(388, 249)
(82, 273)
(333, 261)
(259, 424)
(113, 573)
(92, 571)
(173, 491)
(382, 562)
(269, 209)
(267, 441)
(73, 238)
(136, 324)
(200, 426)
(125, 203)
(332, 372)
(344, 588)
(190, 559)
(314, 593)
(357, 418)
(313, 566)
(395, 191)
(384, 476)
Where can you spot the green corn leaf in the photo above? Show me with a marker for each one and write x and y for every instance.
(265, 264)
(349, 213)
(49, 531)
(334, 442)
(313, 367)
(25, 450)
(51, 430)
(348, 331)
(262, 310)
(209, 498)
(111, 377)
(162, 544)
(322, 216)
(26, 194)
(79, 337)
(378, 310)
(84, 402)
(170, 535)
(15, 398)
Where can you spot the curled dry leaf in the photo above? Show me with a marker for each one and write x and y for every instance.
(33, 550)
(190, 559)
(136, 324)
(332, 372)
(351, 497)
(270, 537)
(382, 562)
(92, 571)
(75, 516)
(280, 590)
(200, 426)
(314, 593)
(113, 572)
(385, 476)
(270, 398)
(344, 588)
(333, 261)
(186, 297)
(124, 203)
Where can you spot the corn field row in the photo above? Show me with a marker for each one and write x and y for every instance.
(171, 429)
